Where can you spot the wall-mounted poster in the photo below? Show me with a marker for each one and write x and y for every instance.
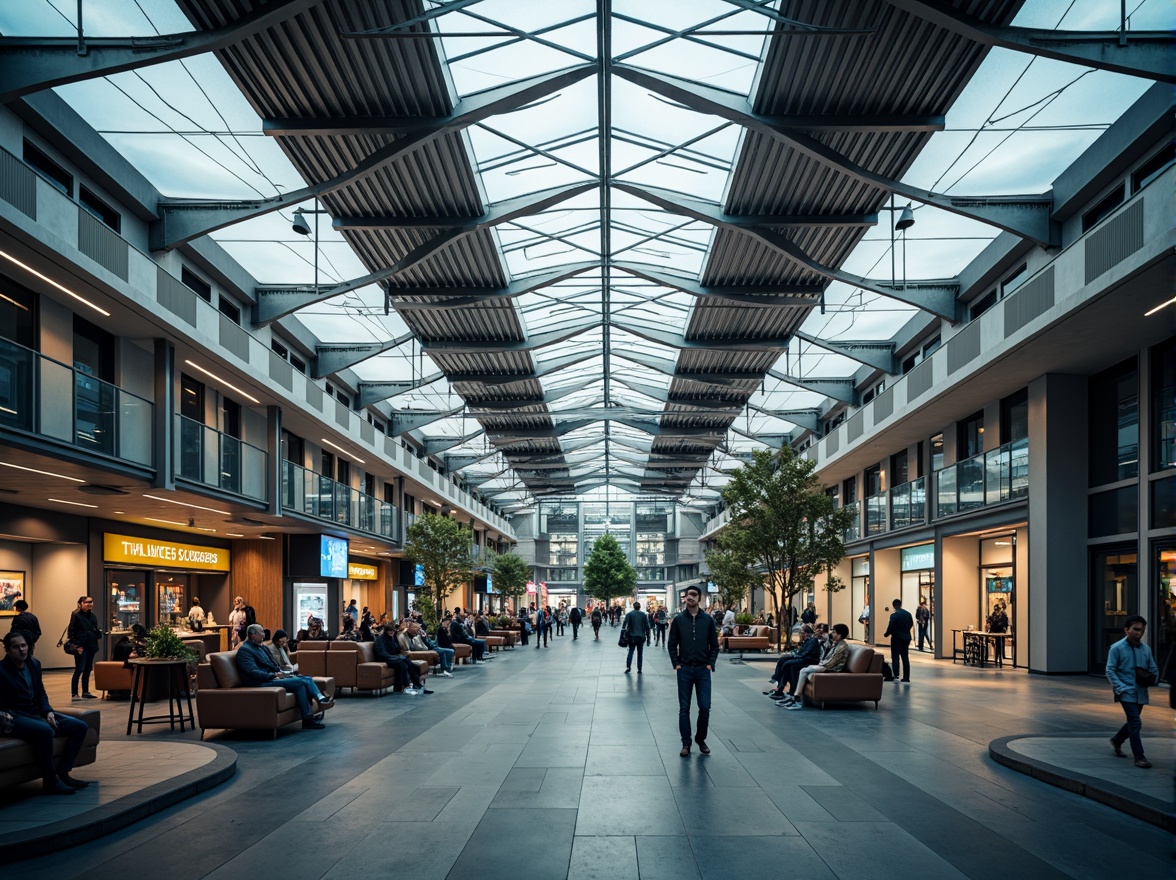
(12, 587)
(310, 599)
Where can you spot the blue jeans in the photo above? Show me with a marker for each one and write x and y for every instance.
(446, 655)
(693, 678)
(303, 689)
(39, 734)
(637, 643)
(1132, 729)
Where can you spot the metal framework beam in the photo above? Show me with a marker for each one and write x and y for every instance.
(33, 64)
(459, 298)
(407, 420)
(716, 216)
(751, 295)
(496, 406)
(438, 445)
(708, 402)
(547, 368)
(458, 461)
(804, 418)
(375, 392)
(181, 221)
(937, 300)
(879, 355)
(532, 342)
(774, 441)
(334, 358)
(678, 341)
(842, 390)
(1028, 216)
(1136, 53)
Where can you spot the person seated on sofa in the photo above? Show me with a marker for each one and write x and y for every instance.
(350, 633)
(413, 638)
(389, 650)
(791, 662)
(460, 636)
(25, 705)
(314, 631)
(835, 662)
(258, 669)
(278, 650)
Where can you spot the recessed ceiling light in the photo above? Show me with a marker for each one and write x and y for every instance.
(170, 522)
(217, 378)
(49, 280)
(42, 473)
(344, 451)
(186, 504)
(74, 503)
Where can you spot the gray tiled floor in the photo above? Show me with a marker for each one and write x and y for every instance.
(556, 764)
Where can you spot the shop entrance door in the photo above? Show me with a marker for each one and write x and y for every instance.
(1114, 594)
(918, 585)
(1163, 634)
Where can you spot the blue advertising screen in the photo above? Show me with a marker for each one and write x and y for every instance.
(333, 557)
(418, 575)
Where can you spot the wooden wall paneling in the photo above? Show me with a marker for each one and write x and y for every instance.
(257, 575)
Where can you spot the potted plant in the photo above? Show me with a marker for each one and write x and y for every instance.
(163, 643)
(742, 622)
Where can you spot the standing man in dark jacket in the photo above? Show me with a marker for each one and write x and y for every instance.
(637, 626)
(22, 696)
(26, 624)
(923, 619)
(575, 618)
(899, 631)
(693, 648)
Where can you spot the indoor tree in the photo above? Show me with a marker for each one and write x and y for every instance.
(511, 573)
(607, 573)
(443, 547)
(784, 524)
(734, 574)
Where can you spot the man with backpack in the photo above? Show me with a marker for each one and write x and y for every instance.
(597, 620)
(575, 618)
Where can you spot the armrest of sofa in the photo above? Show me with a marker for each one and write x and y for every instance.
(91, 716)
(845, 686)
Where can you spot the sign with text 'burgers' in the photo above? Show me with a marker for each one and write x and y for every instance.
(165, 554)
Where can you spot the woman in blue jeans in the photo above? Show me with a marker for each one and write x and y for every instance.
(1126, 661)
(83, 633)
(637, 626)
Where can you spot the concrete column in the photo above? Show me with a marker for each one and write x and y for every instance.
(163, 416)
(273, 445)
(1059, 612)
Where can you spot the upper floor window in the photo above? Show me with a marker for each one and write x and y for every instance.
(873, 480)
(53, 173)
(1109, 203)
(970, 436)
(936, 453)
(1163, 415)
(1113, 416)
(899, 468)
(98, 209)
(229, 309)
(1014, 280)
(982, 305)
(197, 284)
(16, 315)
(1014, 417)
(1153, 167)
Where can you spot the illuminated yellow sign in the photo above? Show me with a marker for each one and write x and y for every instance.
(358, 572)
(145, 551)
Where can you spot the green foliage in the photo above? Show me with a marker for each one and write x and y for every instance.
(444, 548)
(734, 574)
(164, 643)
(607, 573)
(503, 622)
(424, 604)
(743, 619)
(783, 522)
(511, 573)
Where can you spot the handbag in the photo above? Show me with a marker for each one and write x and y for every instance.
(623, 639)
(66, 645)
(1143, 675)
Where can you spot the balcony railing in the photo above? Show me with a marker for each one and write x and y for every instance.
(52, 400)
(990, 478)
(321, 497)
(876, 514)
(908, 504)
(207, 456)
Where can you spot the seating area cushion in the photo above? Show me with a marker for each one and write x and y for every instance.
(17, 763)
(860, 681)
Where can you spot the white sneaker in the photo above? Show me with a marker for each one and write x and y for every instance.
(445, 674)
(795, 706)
(410, 691)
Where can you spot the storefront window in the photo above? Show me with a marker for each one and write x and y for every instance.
(171, 591)
(859, 591)
(1114, 424)
(1164, 405)
(1116, 595)
(127, 588)
(1163, 503)
(1164, 632)
(1115, 512)
(563, 549)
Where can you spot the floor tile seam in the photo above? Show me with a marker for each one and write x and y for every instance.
(808, 745)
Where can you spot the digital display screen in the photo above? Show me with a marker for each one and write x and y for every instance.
(333, 557)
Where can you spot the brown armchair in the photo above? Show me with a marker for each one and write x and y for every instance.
(311, 657)
(756, 638)
(18, 764)
(355, 665)
(225, 702)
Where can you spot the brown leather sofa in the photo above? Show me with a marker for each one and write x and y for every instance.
(756, 638)
(225, 702)
(860, 681)
(112, 675)
(510, 636)
(17, 763)
(311, 657)
(354, 665)
(431, 659)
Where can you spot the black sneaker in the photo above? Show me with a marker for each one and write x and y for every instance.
(88, 696)
(703, 747)
(312, 724)
(425, 690)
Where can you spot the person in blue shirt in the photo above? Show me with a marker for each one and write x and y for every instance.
(1126, 664)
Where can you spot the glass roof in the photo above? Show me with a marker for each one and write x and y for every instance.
(1017, 124)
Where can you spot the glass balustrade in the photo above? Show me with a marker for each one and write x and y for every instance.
(53, 400)
(855, 524)
(876, 514)
(207, 456)
(318, 496)
(908, 504)
(993, 477)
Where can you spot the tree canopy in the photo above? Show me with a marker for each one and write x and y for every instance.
(511, 573)
(733, 575)
(607, 573)
(784, 524)
(444, 548)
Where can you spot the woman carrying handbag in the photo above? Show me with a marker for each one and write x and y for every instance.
(82, 634)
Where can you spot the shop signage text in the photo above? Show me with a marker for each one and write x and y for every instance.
(359, 572)
(921, 558)
(145, 551)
